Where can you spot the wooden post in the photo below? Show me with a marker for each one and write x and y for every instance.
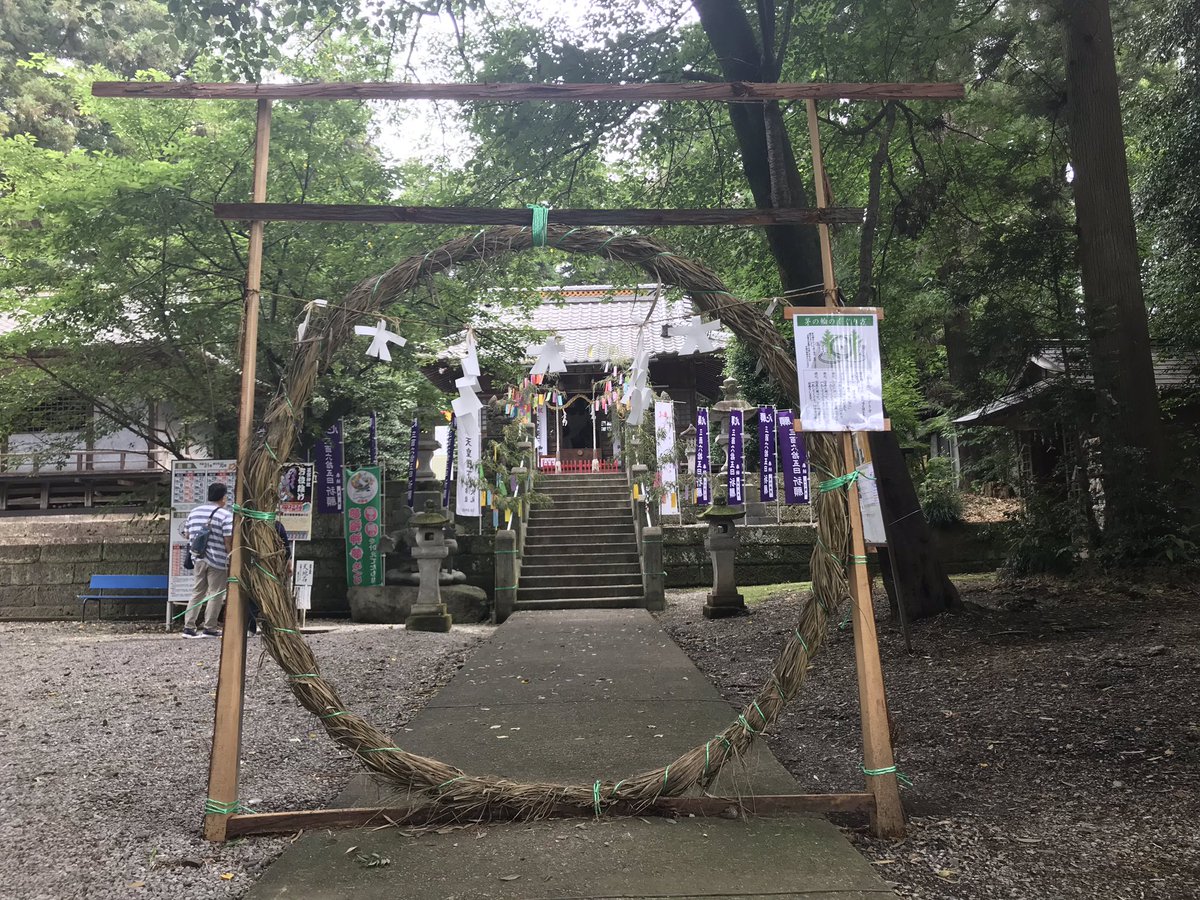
(224, 762)
(887, 819)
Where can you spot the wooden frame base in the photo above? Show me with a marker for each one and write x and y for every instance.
(243, 824)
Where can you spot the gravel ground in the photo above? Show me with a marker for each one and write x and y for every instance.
(104, 742)
(1052, 732)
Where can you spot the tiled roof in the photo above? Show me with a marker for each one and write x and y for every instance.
(598, 322)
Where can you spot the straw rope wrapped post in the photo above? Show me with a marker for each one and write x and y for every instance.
(490, 796)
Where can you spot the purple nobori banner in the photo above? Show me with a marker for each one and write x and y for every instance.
(703, 463)
(737, 465)
(414, 442)
(449, 462)
(373, 445)
(328, 457)
(793, 459)
(767, 490)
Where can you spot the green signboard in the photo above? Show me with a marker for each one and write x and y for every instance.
(364, 526)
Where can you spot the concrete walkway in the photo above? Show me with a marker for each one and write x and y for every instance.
(574, 696)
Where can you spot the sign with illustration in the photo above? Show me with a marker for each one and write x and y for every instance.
(837, 364)
(296, 489)
(364, 526)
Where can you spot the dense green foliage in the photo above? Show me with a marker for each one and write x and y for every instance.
(973, 250)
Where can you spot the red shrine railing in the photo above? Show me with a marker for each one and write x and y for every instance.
(548, 465)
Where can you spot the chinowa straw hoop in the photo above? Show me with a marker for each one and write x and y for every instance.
(491, 796)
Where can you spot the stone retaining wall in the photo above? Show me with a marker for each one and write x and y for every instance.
(47, 561)
(771, 554)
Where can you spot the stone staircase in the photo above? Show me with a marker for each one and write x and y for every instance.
(581, 551)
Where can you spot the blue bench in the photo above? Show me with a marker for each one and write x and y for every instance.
(118, 587)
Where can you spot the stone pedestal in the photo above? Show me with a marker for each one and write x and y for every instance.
(721, 543)
(429, 549)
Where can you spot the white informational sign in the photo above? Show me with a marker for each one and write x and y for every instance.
(467, 495)
(303, 583)
(297, 490)
(180, 581)
(868, 505)
(837, 363)
(664, 431)
(190, 479)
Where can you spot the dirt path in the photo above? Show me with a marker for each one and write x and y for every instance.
(104, 744)
(1053, 735)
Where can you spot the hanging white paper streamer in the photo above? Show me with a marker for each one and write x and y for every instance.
(380, 337)
(467, 403)
(549, 356)
(695, 335)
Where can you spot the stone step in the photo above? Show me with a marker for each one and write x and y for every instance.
(578, 534)
(589, 503)
(589, 580)
(580, 603)
(565, 499)
(589, 479)
(549, 518)
(553, 560)
(576, 592)
(553, 563)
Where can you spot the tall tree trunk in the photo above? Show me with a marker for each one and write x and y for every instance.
(1132, 442)
(797, 254)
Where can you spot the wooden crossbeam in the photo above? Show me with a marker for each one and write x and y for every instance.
(478, 215)
(725, 92)
(369, 817)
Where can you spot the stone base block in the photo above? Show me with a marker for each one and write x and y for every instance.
(387, 605)
(723, 607)
(429, 621)
(392, 604)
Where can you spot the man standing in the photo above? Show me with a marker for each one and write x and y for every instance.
(212, 567)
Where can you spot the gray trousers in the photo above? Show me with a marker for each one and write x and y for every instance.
(211, 582)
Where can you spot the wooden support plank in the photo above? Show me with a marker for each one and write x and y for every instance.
(887, 819)
(432, 814)
(789, 312)
(480, 215)
(725, 92)
(224, 763)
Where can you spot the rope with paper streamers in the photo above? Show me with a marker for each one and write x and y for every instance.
(487, 796)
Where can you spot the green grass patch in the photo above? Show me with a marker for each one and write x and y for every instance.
(757, 593)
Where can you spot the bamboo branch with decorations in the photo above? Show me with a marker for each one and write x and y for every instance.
(482, 796)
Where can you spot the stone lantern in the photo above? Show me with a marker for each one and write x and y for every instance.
(688, 436)
(429, 549)
(721, 543)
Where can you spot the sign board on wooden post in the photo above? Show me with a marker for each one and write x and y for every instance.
(868, 504)
(304, 582)
(837, 364)
(296, 489)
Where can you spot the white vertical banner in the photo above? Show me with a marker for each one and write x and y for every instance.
(664, 430)
(467, 496)
(868, 505)
(543, 433)
(303, 584)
